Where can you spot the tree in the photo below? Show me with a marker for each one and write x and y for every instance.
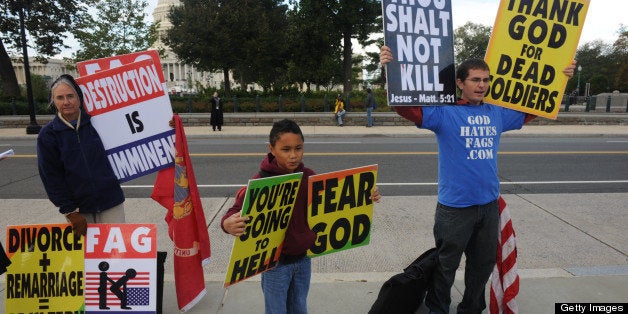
(373, 64)
(47, 22)
(355, 19)
(266, 48)
(246, 36)
(118, 28)
(594, 58)
(315, 50)
(620, 59)
(471, 41)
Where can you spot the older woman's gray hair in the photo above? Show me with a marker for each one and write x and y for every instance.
(67, 80)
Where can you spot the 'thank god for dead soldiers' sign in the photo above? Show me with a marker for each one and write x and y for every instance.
(532, 42)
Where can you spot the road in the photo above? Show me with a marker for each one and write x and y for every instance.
(407, 166)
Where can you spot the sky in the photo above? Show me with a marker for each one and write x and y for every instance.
(603, 20)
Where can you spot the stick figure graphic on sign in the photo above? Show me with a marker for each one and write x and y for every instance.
(102, 287)
(119, 287)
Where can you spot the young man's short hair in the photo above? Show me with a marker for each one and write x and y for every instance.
(471, 64)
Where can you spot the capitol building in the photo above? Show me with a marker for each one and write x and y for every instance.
(176, 73)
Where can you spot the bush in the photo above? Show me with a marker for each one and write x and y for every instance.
(20, 107)
(314, 101)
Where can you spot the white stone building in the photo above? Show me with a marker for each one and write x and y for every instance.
(176, 73)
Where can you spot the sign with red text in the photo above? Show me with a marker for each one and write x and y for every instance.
(121, 268)
(130, 109)
(269, 203)
(89, 67)
(46, 274)
(532, 42)
(340, 209)
(420, 36)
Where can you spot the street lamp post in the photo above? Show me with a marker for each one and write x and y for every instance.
(33, 127)
(578, 87)
(189, 91)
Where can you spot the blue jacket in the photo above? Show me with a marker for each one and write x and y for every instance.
(74, 169)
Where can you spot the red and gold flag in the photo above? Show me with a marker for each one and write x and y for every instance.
(176, 190)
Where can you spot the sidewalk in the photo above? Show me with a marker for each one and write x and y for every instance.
(390, 131)
(572, 247)
(565, 255)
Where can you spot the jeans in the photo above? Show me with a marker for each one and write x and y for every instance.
(369, 116)
(339, 116)
(470, 230)
(286, 287)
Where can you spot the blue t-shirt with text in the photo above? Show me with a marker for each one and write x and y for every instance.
(468, 141)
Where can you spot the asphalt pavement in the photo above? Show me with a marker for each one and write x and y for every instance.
(572, 247)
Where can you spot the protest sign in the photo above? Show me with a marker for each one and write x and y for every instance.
(420, 36)
(89, 67)
(46, 271)
(121, 268)
(340, 210)
(532, 42)
(269, 203)
(130, 110)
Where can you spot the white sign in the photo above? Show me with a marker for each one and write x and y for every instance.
(130, 109)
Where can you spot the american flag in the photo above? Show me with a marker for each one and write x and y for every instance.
(138, 289)
(505, 279)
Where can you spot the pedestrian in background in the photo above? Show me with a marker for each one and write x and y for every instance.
(73, 165)
(339, 110)
(216, 118)
(370, 105)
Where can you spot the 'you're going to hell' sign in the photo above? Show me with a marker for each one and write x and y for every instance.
(269, 204)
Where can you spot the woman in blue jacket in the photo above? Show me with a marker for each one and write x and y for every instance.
(73, 165)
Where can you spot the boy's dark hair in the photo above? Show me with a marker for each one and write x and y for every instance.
(281, 127)
(471, 64)
(368, 90)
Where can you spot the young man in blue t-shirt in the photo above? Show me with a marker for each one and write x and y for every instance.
(467, 214)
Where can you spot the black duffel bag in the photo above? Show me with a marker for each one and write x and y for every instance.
(404, 292)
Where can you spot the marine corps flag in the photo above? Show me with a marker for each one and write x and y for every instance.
(175, 189)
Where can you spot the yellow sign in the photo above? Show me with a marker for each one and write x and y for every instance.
(532, 42)
(269, 203)
(340, 210)
(46, 274)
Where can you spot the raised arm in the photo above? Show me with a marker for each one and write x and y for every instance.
(411, 113)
